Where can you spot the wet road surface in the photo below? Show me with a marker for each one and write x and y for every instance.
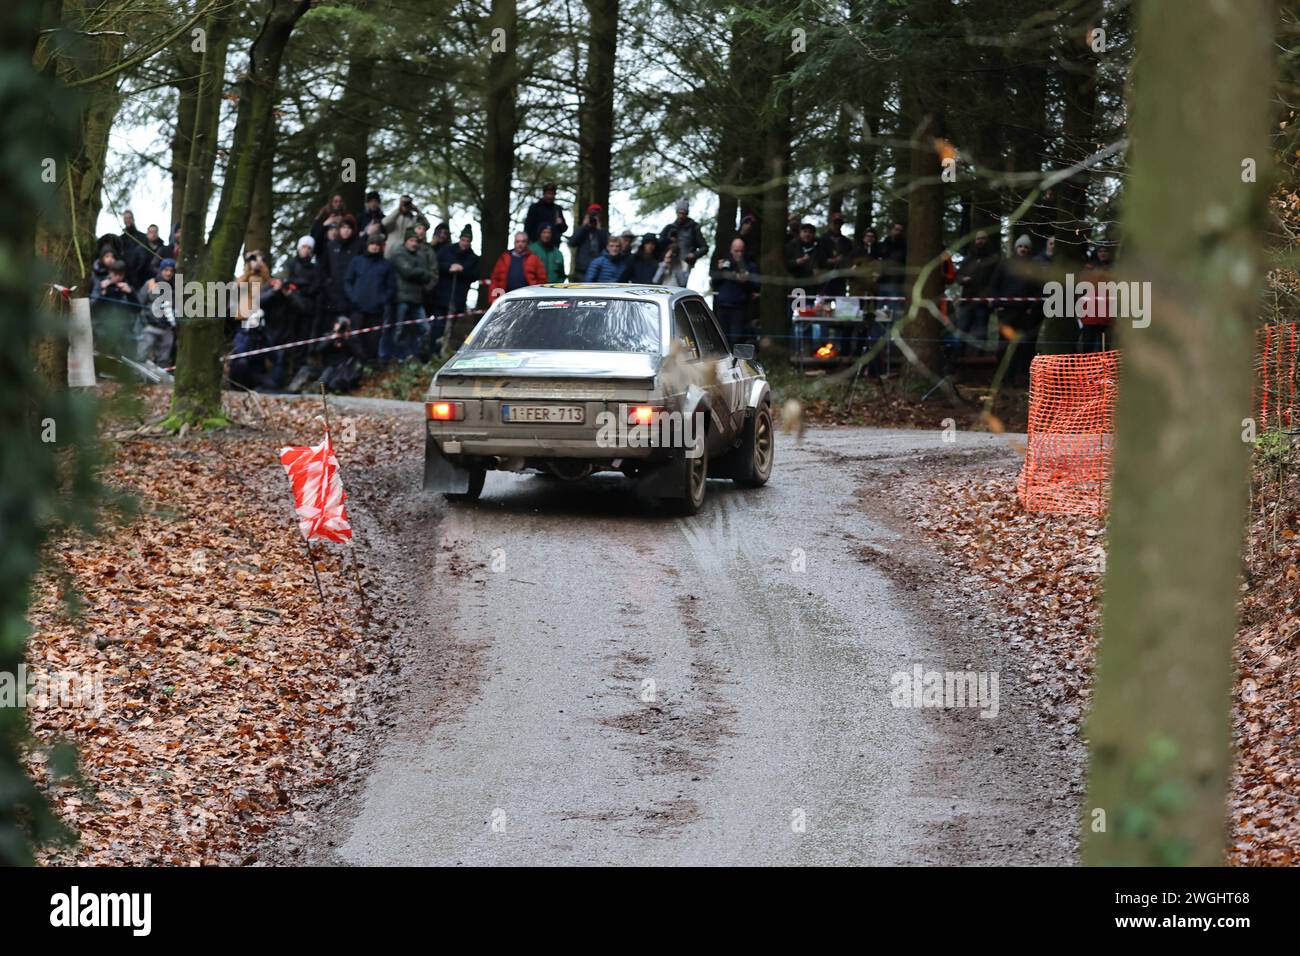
(630, 688)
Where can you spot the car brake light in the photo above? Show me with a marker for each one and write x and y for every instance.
(445, 411)
(642, 415)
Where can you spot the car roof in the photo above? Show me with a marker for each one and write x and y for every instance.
(611, 290)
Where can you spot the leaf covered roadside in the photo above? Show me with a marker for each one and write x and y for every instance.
(1042, 576)
(229, 693)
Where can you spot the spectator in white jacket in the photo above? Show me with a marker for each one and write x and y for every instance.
(397, 222)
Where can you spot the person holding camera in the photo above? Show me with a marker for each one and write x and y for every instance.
(588, 241)
(671, 271)
(398, 222)
(684, 233)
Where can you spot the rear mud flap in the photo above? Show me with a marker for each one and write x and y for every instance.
(440, 474)
(666, 481)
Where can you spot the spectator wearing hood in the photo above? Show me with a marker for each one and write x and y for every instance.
(371, 285)
(749, 232)
(588, 240)
(161, 301)
(114, 309)
(547, 248)
(398, 222)
(515, 268)
(645, 261)
(610, 265)
(302, 294)
(400, 341)
(546, 212)
(458, 267)
(441, 237)
(684, 233)
(334, 259)
(732, 278)
(105, 256)
(671, 271)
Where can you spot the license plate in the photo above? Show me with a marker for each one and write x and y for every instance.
(548, 414)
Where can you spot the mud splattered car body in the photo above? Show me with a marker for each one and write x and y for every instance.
(574, 379)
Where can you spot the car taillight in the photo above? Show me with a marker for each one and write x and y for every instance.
(445, 411)
(641, 415)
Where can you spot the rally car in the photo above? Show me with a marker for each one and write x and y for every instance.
(573, 379)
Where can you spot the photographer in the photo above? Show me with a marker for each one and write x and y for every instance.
(588, 241)
(398, 222)
(671, 272)
(684, 233)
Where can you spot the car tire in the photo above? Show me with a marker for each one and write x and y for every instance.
(476, 478)
(756, 451)
(695, 481)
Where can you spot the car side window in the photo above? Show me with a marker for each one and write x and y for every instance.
(710, 336)
(684, 334)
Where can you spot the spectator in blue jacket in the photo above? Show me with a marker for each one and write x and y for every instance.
(371, 285)
(735, 282)
(610, 265)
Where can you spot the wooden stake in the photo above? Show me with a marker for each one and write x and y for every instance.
(311, 559)
(356, 570)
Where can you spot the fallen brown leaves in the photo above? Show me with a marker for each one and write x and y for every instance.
(1043, 576)
(227, 688)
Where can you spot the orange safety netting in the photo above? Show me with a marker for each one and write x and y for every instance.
(1071, 433)
(1275, 370)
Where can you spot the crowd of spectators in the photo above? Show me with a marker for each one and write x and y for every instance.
(377, 287)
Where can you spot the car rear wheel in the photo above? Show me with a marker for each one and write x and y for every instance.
(695, 480)
(476, 478)
(757, 446)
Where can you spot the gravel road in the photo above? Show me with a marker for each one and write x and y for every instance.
(592, 682)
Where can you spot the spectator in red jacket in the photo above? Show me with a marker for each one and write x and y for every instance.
(515, 269)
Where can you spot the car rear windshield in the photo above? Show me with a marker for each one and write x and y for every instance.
(570, 324)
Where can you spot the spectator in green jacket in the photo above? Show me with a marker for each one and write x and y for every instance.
(547, 248)
(400, 341)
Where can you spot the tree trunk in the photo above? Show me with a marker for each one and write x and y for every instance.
(66, 241)
(596, 112)
(864, 194)
(34, 124)
(1159, 731)
(352, 129)
(187, 90)
(922, 99)
(196, 397)
(258, 234)
(502, 124)
(773, 301)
